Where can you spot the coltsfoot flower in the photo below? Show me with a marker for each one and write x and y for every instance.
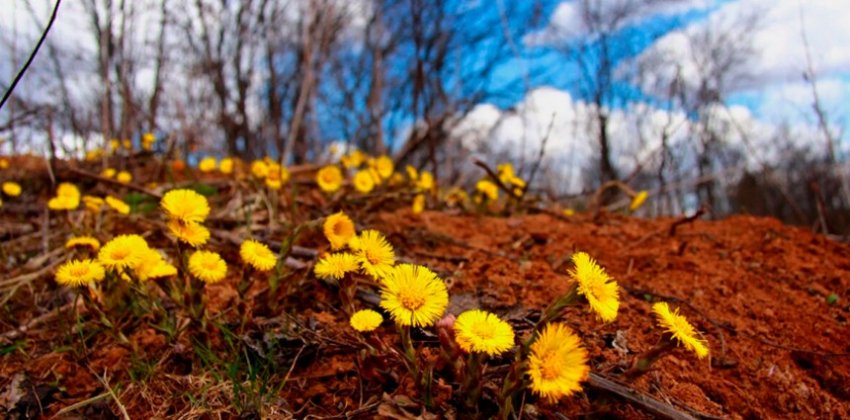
(413, 295)
(594, 284)
(336, 265)
(339, 229)
(83, 241)
(557, 364)
(479, 331)
(123, 251)
(329, 178)
(186, 206)
(373, 252)
(366, 320)
(207, 266)
(79, 272)
(681, 330)
(257, 255)
(193, 234)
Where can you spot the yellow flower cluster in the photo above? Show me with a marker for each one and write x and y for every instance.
(131, 254)
(257, 255)
(67, 197)
(12, 189)
(270, 172)
(186, 211)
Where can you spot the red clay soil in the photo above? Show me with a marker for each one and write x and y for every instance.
(757, 290)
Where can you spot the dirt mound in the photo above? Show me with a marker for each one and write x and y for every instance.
(763, 294)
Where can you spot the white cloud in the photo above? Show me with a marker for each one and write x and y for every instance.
(568, 22)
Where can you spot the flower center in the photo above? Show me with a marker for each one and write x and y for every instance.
(79, 271)
(411, 301)
(373, 257)
(210, 264)
(551, 368)
(483, 331)
(120, 254)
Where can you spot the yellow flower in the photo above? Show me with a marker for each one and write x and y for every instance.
(148, 139)
(569, 212)
(186, 206)
(108, 173)
(79, 272)
(426, 181)
(418, 203)
(88, 241)
(93, 204)
(259, 169)
(339, 229)
(366, 320)
(128, 144)
(93, 155)
(638, 200)
(679, 327)
(4, 163)
(207, 266)
(114, 145)
(456, 197)
(488, 188)
(363, 181)
(413, 295)
(66, 189)
(62, 203)
(258, 255)
(67, 197)
(412, 173)
(276, 176)
(151, 265)
(594, 284)
(373, 252)
(12, 189)
(123, 251)
(385, 166)
(354, 159)
(478, 331)
(336, 265)
(194, 234)
(226, 166)
(329, 178)
(207, 164)
(557, 364)
(117, 204)
(124, 177)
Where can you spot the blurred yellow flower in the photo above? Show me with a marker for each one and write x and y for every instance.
(128, 144)
(336, 265)
(207, 266)
(373, 252)
(83, 241)
(4, 163)
(680, 329)
(12, 189)
(191, 233)
(353, 160)
(569, 212)
(184, 205)
(557, 364)
(257, 255)
(108, 173)
(277, 176)
(488, 188)
(124, 177)
(413, 295)
(207, 164)
(67, 197)
(418, 204)
(366, 320)
(594, 284)
(226, 166)
(151, 266)
(117, 204)
(92, 203)
(123, 251)
(148, 140)
(479, 331)
(412, 173)
(114, 145)
(385, 166)
(426, 181)
(259, 169)
(329, 178)
(638, 200)
(339, 229)
(79, 272)
(363, 181)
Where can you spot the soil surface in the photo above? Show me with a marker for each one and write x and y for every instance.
(762, 293)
